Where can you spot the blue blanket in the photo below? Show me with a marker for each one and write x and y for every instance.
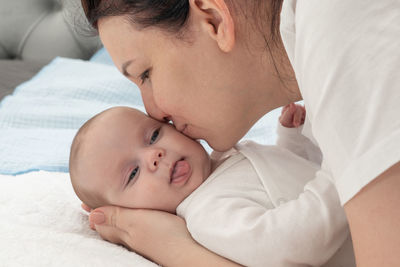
(38, 122)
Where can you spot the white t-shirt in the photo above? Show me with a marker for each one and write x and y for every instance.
(346, 56)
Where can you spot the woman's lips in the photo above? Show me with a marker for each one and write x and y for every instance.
(180, 172)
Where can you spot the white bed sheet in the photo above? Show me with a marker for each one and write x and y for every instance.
(42, 224)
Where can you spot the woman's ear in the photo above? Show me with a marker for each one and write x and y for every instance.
(216, 20)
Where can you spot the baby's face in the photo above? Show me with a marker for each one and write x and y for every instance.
(137, 162)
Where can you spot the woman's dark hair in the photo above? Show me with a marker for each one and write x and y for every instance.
(168, 14)
(171, 15)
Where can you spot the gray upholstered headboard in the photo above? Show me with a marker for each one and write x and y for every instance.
(39, 30)
(33, 32)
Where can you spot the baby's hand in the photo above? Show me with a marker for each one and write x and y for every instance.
(292, 115)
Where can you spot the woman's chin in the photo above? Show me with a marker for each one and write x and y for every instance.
(221, 145)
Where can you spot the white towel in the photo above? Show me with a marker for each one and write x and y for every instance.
(42, 224)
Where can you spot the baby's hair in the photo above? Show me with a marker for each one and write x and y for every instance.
(90, 198)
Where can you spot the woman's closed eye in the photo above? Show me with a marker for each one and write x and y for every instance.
(145, 76)
(154, 136)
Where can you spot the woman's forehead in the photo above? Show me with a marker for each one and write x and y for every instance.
(118, 35)
(117, 30)
(126, 42)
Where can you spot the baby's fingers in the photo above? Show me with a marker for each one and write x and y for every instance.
(286, 118)
(285, 108)
(299, 116)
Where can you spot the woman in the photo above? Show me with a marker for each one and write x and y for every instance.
(214, 67)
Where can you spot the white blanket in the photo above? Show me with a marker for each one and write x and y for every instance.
(42, 224)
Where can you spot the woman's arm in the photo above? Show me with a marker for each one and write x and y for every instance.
(159, 236)
(374, 220)
(347, 62)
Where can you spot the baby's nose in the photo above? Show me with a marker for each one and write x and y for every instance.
(155, 159)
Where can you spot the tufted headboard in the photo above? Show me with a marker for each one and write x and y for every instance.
(39, 30)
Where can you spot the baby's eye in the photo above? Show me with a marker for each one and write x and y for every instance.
(144, 76)
(133, 174)
(154, 136)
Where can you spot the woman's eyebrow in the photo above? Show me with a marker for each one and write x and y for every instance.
(124, 66)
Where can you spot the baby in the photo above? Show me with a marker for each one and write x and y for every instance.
(256, 205)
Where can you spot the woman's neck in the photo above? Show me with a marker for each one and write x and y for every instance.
(277, 85)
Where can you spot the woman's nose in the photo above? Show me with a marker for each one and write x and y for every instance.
(152, 109)
(155, 156)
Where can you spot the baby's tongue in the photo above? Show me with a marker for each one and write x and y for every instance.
(182, 168)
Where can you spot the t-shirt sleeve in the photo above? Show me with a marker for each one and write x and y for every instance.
(346, 56)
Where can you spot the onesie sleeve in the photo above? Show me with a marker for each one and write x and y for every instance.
(306, 231)
(293, 140)
(346, 58)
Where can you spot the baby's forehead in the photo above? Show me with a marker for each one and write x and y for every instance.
(120, 118)
(116, 126)
(122, 113)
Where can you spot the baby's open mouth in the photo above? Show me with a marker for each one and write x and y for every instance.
(179, 171)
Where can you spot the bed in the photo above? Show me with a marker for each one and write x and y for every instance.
(51, 81)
